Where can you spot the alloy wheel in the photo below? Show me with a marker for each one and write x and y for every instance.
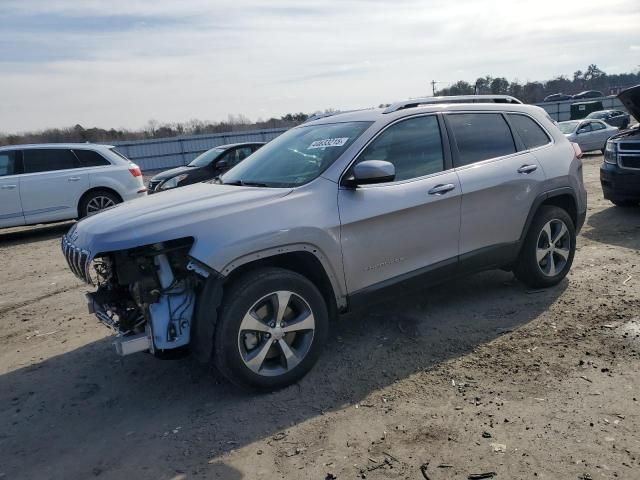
(553, 248)
(98, 203)
(276, 333)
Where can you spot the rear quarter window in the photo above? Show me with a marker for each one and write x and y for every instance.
(530, 132)
(480, 136)
(90, 158)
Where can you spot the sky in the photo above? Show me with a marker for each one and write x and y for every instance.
(121, 63)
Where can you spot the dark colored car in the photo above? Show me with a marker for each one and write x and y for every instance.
(620, 171)
(588, 94)
(557, 97)
(615, 118)
(206, 166)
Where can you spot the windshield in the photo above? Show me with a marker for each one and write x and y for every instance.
(206, 158)
(567, 127)
(297, 156)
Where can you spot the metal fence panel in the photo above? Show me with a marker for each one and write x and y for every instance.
(163, 153)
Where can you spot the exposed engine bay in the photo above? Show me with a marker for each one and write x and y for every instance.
(147, 295)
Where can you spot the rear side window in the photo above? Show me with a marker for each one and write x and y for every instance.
(90, 158)
(413, 146)
(7, 163)
(480, 136)
(48, 159)
(530, 132)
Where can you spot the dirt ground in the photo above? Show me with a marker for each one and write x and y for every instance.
(475, 376)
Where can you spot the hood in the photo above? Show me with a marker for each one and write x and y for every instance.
(177, 213)
(172, 173)
(630, 98)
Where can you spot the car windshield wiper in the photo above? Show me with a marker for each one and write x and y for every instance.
(242, 183)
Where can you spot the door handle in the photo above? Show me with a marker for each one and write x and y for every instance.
(73, 179)
(527, 168)
(442, 189)
(8, 187)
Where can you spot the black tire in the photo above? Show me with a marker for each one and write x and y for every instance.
(238, 299)
(528, 269)
(94, 198)
(624, 203)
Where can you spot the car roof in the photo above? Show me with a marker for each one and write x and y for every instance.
(86, 146)
(375, 114)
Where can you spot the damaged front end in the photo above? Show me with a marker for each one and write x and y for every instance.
(146, 295)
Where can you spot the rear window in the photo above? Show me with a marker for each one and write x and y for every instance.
(90, 158)
(530, 132)
(480, 136)
(7, 163)
(48, 159)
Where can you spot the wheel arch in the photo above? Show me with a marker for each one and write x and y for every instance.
(303, 259)
(86, 194)
(564, 198)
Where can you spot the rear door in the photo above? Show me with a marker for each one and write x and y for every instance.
(499, 178)
(401, 229)
(10, 207)
(51, 185)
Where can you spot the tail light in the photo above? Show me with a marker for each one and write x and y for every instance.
(577, 149)
(135, 170)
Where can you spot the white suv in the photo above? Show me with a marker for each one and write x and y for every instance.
(54, 182)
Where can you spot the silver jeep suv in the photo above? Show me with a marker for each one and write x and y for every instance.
(247, 271)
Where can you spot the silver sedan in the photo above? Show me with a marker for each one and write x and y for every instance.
(589, 134)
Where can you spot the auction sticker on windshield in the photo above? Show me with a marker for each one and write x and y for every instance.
(328, 142)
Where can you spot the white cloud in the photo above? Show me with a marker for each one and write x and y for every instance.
(122, 62)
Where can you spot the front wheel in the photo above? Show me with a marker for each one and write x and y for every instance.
(548, 249)
(272, 326)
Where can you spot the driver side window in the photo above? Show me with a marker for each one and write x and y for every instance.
(584, 128)
(413, 146)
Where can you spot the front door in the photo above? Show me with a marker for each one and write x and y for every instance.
(10, 207)
(397, 230)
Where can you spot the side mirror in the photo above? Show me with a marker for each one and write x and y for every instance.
(370, 172)
(582, 130)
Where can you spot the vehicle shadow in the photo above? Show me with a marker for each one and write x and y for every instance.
(88, 412)
(37, 233)
(615, 226)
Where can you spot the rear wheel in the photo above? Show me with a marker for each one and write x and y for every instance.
(97, 200)
(547, 252)
(272, 326)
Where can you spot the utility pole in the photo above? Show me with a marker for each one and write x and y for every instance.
(433, 87)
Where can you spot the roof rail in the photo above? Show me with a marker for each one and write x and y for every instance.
(414, 102)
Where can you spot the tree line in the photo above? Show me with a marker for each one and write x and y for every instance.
(153, 129)
(592, 78)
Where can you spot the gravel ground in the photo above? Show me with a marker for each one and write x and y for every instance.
(475, 376)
